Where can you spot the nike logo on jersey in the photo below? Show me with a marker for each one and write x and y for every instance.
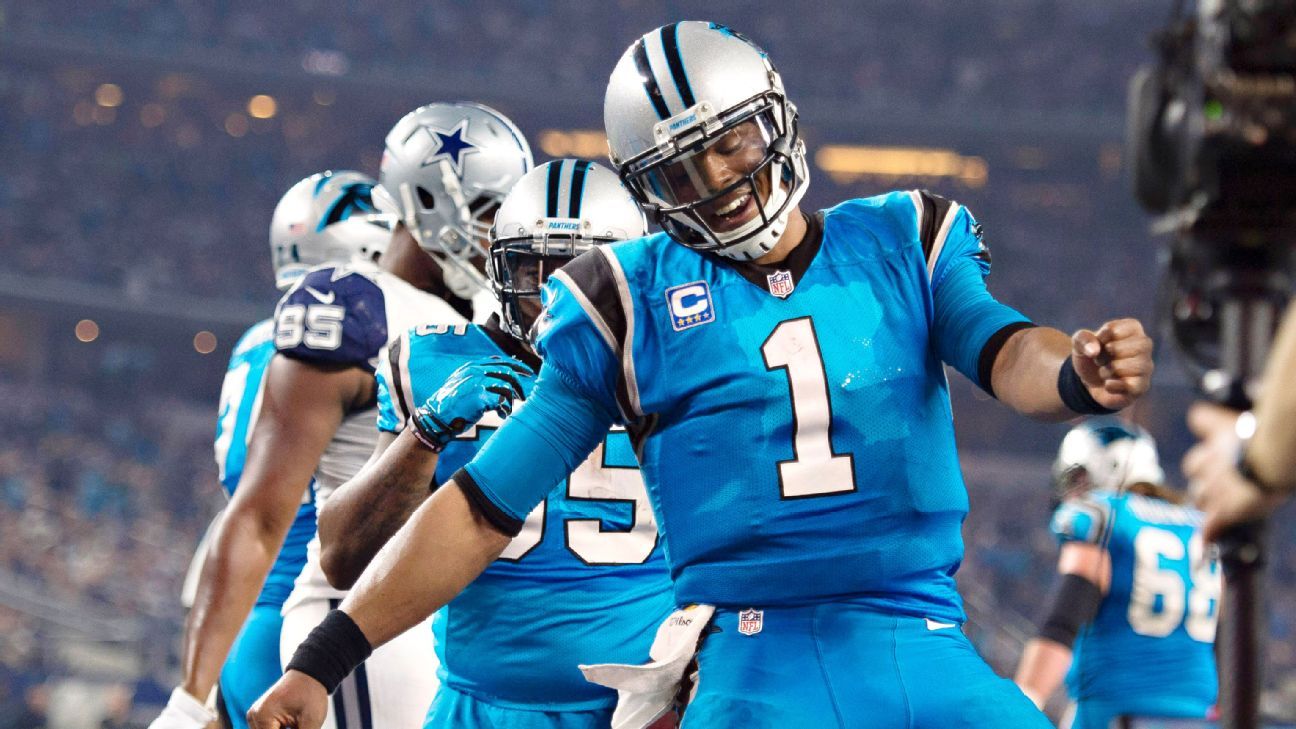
(933, 625)
(320, 296)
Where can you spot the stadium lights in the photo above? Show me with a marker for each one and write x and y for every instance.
(851, 163)
(262, 106)
(204, 342)
(843, 163)
(86, 330)
(584, 143)
(108, 95)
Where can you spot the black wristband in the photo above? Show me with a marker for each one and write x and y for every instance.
(1075, 603)
(332, 650)
(1075, 395)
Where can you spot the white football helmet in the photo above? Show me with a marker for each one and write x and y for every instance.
(445, 170)
(1106, 454)
(703, 135)
(555, 212)
(327, 217)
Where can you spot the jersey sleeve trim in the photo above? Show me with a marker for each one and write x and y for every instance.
(990, 352)
(507, 525)
(628, 383)
(398, 356)
(935, 217)
(598, 283)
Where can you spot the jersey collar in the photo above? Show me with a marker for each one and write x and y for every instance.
(797, 262)
(509, 344)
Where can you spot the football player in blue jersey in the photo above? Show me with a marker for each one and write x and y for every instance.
(327, 217)
(586, 565)
(453, 162)
(782, 378)
(1138, 596)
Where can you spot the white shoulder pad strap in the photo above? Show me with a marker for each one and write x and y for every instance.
(647, 692)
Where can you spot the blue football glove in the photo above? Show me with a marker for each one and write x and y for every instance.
(491, 383)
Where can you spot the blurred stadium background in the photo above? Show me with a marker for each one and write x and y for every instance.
(144, 143)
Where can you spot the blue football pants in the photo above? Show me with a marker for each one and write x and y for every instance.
(454, 710)
(253, 663)
(844, 666)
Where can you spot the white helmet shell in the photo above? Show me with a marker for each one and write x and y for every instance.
(1113, 455)
(445, 167)
(676, 91)
(556, 212)
(326, 218)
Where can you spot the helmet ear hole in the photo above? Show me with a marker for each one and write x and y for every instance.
(426, 199)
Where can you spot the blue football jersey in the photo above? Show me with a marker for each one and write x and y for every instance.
(240, 400)
(584, 582)
(792, 421)
(1151, 645)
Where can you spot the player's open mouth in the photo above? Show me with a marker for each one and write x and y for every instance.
(734, 213)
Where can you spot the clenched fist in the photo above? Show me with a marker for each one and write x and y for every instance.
(296, 700)
(1114, 363)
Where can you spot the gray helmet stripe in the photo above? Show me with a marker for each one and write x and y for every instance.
(649, 80)
(555, 174)
(577, 193)
(670, 47)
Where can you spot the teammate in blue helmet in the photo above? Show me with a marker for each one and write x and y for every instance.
(1137, 598)
(781, 374)
(587, 565)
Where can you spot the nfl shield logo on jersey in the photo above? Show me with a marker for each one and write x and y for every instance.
(690, 305)
(750, 621)
(780, 283)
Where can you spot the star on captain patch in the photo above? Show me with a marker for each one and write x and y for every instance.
(450, 146)
(780, 283)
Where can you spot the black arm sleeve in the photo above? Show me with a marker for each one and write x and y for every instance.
(1075, 603)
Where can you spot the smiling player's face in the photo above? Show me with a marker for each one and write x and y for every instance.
(706, 173)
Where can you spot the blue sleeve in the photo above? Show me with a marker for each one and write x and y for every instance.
(389, 420)
(542, 442)
(969, 326)
(1080, 520)
(334, 316)
(573, 348)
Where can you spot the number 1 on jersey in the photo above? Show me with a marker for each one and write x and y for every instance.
(814, 470)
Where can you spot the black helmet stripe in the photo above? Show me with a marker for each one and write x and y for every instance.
(555, 174)
(670, 46)
(649, 80)
(577, 189)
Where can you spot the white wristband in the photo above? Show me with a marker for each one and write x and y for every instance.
(184, 703)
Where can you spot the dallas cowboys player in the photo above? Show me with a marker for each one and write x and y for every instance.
(1138, 594)
(781, 375)
(327, 217)
(587, 565)
(445, 169)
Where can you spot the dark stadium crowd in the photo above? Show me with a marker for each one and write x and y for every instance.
(102, 499)
(167, 188)
(999, 53)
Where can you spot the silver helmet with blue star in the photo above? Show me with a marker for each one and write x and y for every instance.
(445, 170)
